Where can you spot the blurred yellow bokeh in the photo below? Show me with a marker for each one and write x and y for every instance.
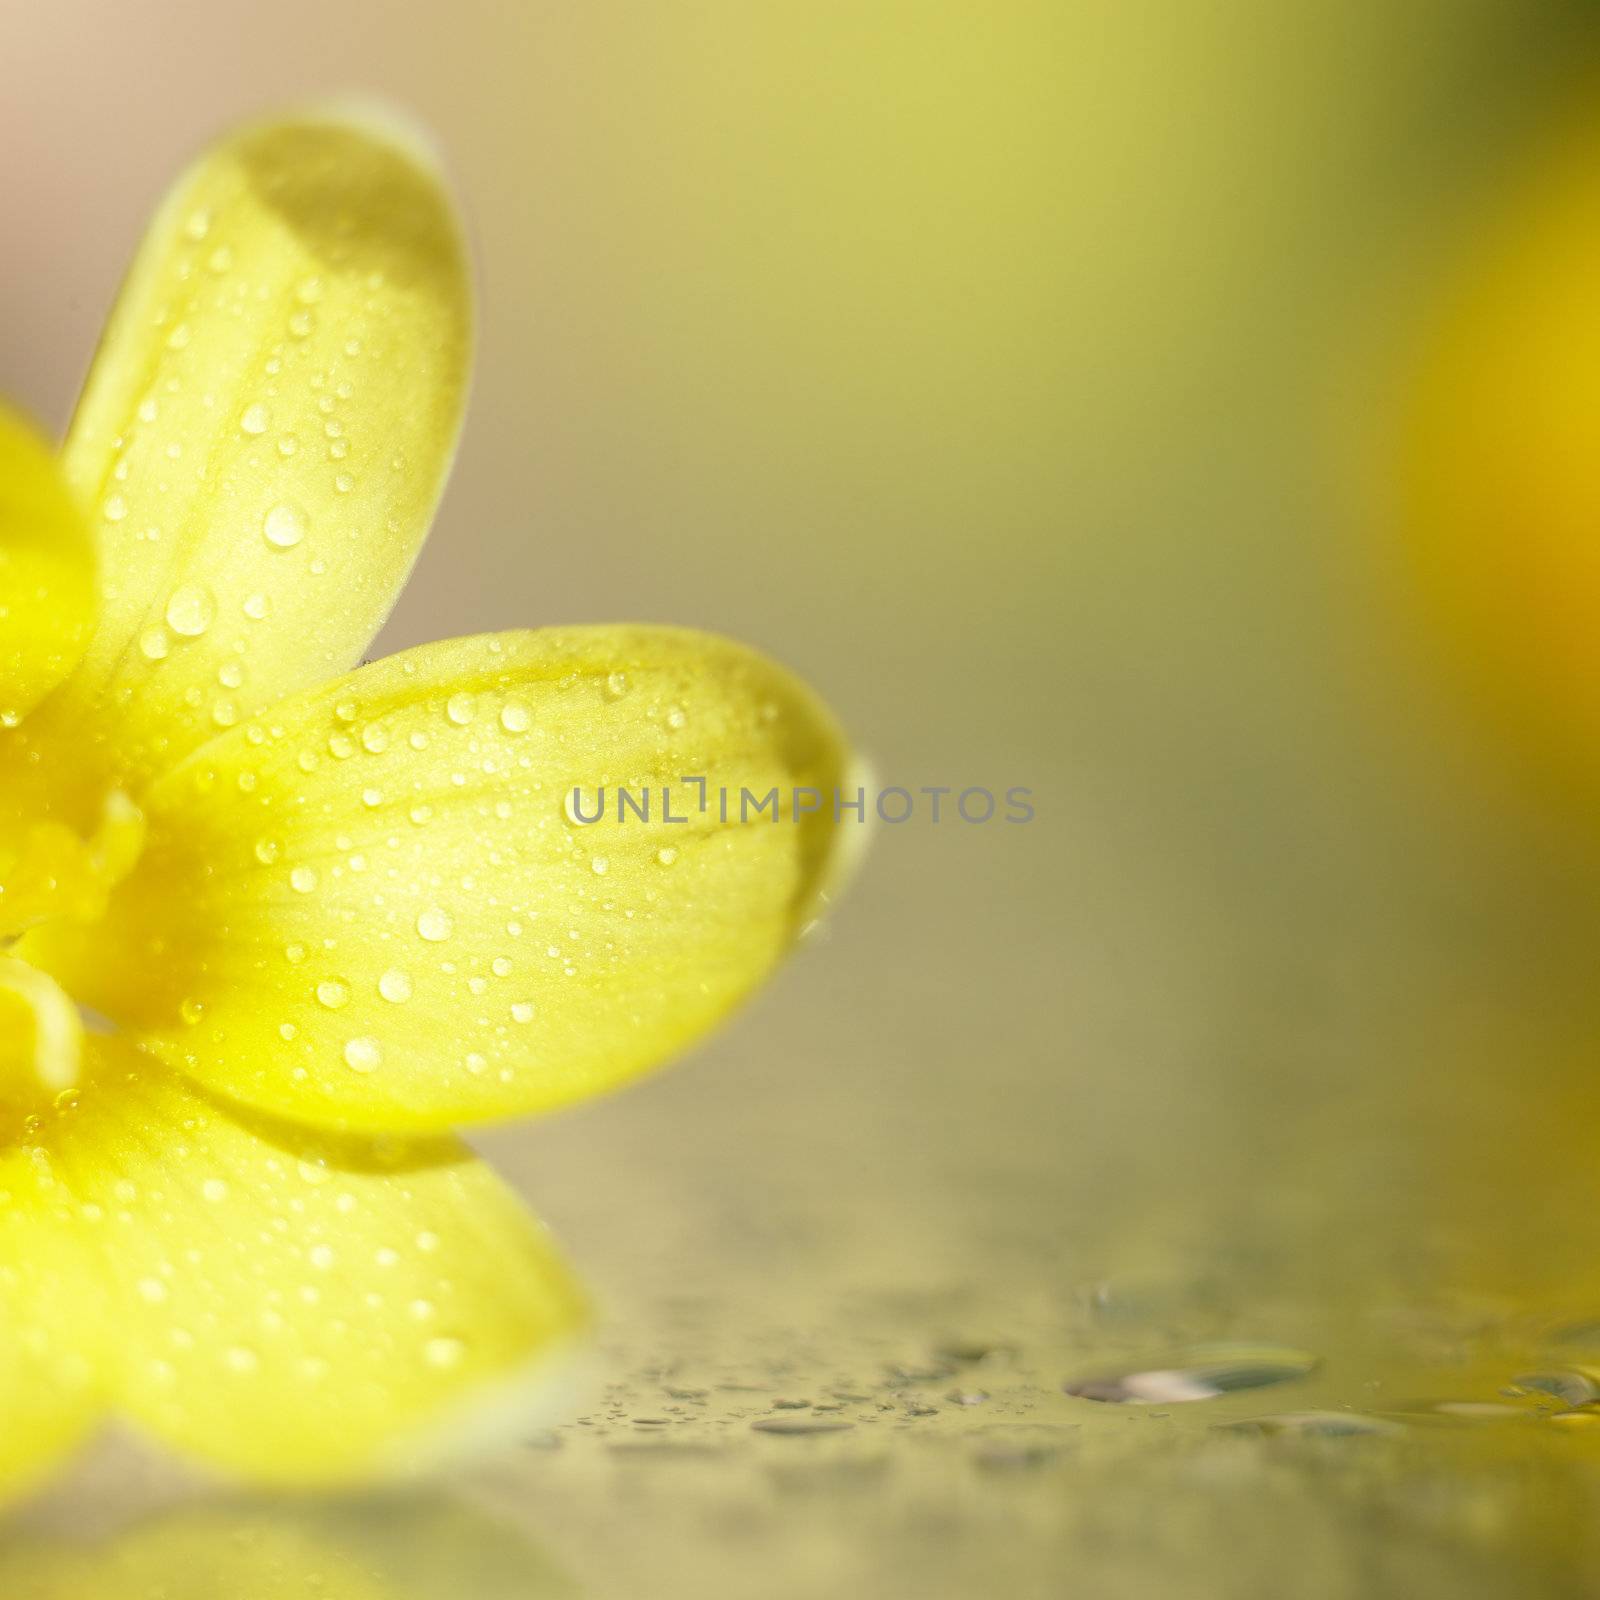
(1500, 458)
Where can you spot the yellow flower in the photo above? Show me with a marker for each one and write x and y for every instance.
(324, 921)
(1495, 462)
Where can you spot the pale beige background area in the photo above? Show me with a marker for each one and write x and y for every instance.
(1008, 370)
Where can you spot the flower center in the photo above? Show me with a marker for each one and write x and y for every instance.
(47, 871)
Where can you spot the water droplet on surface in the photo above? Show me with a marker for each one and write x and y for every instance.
(797, 1426)
(1571, 1387)
(435, 925)
(1013, 1447)
(459, 709)
(1319, 1424)
(1465, 1411)
(154, 644)
(522, 1011)
(254, 420)
(333, 993)
(257, 607)
(284, 526)
(303, 880)
(515, 717)
(1201, 1373)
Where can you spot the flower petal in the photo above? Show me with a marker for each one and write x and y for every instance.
(51, 1313)
(296, 1308)
(46, 571)
(264, 436)
(373, 907)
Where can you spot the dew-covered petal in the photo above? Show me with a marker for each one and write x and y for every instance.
(52, 1313)
(263, 437)
(374, 905)
(301, 1309)
(46, 571)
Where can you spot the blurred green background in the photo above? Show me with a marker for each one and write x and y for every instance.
(1028, 376)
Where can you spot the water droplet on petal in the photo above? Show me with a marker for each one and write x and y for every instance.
(444, 1352)
(284, 526)
(191, 609)
(363, 1054)
(395, 985)
(435, 925)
